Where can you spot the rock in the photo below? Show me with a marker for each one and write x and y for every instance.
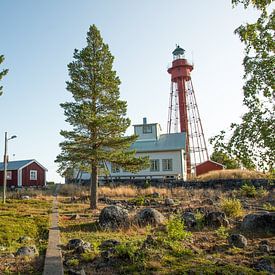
(30, 251)
(25, 197)
(264, 248)
(75, 217)
(216, 219)
(113, 217)
(265, 265)
(155, 195)
(74, 243)
(76, 272)
(85, 247)
(237, 240)
(108, 244)
(208, 202)
(149, 216)
(259, 223)
(24, 239)
(189, 219)
(169, 202)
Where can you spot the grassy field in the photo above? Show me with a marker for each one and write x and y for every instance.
(23, 218)
(198, 251)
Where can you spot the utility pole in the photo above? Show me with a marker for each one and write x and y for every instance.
(5, 168)
(6, 165)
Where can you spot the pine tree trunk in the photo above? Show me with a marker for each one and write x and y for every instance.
(94, 185)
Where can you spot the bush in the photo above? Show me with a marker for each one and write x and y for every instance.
(199, 220)
(130, 251)
(250, 191)
(222, 233)
(268, 207)
(176, 230)
(232, 207)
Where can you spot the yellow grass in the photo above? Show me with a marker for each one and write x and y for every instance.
(232, 174)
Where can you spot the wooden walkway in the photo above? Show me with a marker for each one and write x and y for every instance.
(53, 259)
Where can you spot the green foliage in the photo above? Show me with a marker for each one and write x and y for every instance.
(176, 230)
(252, 141)
(73, 262)
(224, 159)
(2, 73)
(199, 220)
(97, 115)
(250, 191)
(179, 250)
(232, 207)
(269, 207)
(130, 251)
(222, 233)
(139, 201)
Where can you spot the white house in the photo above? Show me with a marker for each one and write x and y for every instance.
(165, 151)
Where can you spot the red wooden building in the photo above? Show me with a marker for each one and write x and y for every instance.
(208, 166)
(24, 173)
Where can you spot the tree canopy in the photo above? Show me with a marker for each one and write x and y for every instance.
(97, 115)
(2, 73)
(252, 140)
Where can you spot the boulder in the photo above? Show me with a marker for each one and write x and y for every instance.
(216, 219)
(237, 240)
(259, 223)
(189, 219)
(113, 217)
(264, 248)
(74, 243)
(265, 265)
(108, 244)
(85, 247)
(149, 216)
(30, 251)
(169, 202)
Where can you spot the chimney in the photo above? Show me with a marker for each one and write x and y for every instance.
(144, 120)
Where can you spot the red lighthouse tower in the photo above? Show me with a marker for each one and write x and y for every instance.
(183, 115)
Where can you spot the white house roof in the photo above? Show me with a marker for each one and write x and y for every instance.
(166, 142)
(15, 165)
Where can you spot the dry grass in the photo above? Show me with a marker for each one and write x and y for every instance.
(232, 174)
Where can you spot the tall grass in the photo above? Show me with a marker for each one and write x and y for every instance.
(232, 174)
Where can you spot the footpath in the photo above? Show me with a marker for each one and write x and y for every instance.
(53, 259)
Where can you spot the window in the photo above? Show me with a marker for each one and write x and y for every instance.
(115, 168)
(9, 175)
(33, 175)
(154, 165)
(147, 129)
(167, 165)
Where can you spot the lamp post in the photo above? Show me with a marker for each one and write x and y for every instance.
(6, 165)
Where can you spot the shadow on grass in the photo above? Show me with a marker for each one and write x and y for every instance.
(84, 227)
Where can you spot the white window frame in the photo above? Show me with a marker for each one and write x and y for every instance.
(9, 175)
(167, 165)
(154, 165)
(33, 174)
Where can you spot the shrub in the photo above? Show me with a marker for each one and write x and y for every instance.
(73, 262)
(222, 233)
(199, 220)
(268, 207)
(232, 207)
(130, 251)
(250, 191)
(176, 230)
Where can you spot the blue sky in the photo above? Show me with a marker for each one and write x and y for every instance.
(38, 38)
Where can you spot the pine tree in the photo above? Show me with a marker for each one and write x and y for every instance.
(97, 115)
(2, 73)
